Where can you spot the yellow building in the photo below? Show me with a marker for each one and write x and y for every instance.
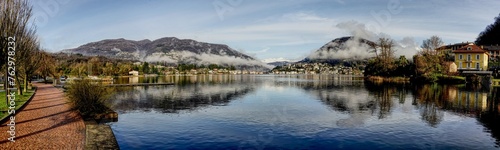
(471, 57)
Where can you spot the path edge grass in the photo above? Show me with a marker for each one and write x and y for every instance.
(4, 119)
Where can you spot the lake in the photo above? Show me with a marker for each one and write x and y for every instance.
(302, 112)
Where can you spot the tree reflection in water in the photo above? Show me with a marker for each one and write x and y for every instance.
(432, 101)
(359, 100)
(190, 93)
(490, 117)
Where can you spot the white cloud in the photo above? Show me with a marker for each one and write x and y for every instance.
(285, 26)
(202, 59)
(352, 48)
(305, 16)
(270, 60)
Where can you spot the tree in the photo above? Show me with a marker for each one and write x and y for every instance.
(429, 63)
(432, 43)
(145, 67)
(30, 64)
(47, 65)
(14, 18)
(384, 62)
(108, 69)
(79, 69)
(124, 68)
(403, 67)
(135, 67)
(213, 66)
(27, 58)
(386, 56)
(491, 34)
(154, 69)
(95, 66)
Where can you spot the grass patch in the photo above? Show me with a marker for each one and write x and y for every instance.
(20, 101)
(450, 79)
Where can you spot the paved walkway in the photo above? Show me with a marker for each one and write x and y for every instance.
(46, 123)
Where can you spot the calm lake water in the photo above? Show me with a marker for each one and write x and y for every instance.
(302, 112)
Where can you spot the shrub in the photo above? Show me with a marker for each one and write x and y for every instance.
(88, 97)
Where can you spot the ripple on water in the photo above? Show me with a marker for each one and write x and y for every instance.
(299, 114)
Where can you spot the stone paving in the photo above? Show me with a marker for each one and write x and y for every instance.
(45, 123)
(100, 136)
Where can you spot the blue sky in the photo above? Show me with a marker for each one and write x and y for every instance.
(289, 29)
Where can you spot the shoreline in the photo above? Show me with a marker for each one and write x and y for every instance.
(404, 80)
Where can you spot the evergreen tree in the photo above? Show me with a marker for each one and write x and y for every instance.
(145, 68)
(491, 34)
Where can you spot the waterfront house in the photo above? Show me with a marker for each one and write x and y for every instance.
(133, 73)
(452, 47)
(471, 57)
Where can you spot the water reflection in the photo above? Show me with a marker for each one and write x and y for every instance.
(314, 109)
(490, 117)
(434, 100)
(186, 79)
(189, 93)
(431, 101)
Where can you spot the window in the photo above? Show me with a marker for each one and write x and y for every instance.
(477, 65)
(468, 57)
(468, 65)
(469, 48)
(460, 57)
(460, 65)
(477, 57)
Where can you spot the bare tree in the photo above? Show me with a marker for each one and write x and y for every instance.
(431, 44)
(386, 48)
(14, 17)
(31, 62)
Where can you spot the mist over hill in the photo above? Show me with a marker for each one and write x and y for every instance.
(168, 50)
(342, 50)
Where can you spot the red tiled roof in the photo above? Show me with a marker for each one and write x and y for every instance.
(453, 45)
(470, 49)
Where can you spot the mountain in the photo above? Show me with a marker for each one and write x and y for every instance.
(279, 63)
(344, 50)
(169, 50)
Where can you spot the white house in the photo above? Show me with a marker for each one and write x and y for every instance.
(133, 73)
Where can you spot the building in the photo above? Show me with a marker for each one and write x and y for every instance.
(471, 57)
(452, 47)
(133, 73)
(493, 50)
